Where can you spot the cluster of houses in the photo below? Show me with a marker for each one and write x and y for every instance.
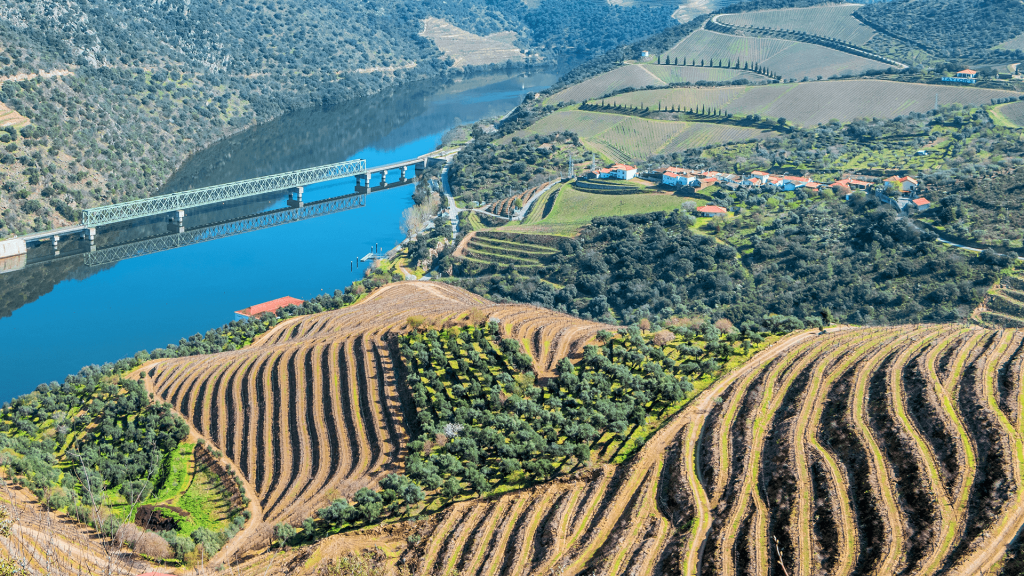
(898, 191)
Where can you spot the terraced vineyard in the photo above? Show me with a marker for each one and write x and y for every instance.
(485, 248)
(507, 206)
(829, 21)
(1004, 305)
(312, 410)
(888, 450)
(785, 58)
(626, 138)
(628, 76)
(801, 103)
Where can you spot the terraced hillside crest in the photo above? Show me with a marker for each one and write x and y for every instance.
(313, 409)
(879, 450)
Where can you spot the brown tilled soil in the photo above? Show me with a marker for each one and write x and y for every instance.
(993, 483)
(837, 434)
(825, 530)
(923, 407)
(920, 512)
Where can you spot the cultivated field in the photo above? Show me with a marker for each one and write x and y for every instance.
(783, 57)
(491, 247)
(9, 117)
(681, 74)
(830, 21)
(629, 138)
(628, 76)
(468, 49)
(810, 103)
(572, 209)
(1004, 304)
(1011, 114)
(864, 451)
(313, 411)
(1013, 44)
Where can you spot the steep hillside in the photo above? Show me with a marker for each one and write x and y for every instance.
(314, 409)
(118, 94)
(873, 450)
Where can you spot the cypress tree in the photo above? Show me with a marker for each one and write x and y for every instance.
(702, 62)
(677, 61)
(659, 58)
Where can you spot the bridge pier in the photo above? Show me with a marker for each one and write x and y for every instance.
(383, 177)
(404, 168)
(178, 221)
(295, 199)
(89, 235)
(55, 239)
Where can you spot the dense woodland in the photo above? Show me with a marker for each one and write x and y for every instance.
(950, 29)
(150, 84)
(855, 262)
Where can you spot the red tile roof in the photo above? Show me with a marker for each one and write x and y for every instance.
(967, 71)
(272, 306)
(623, 167)
(921, 201)
(712, 210)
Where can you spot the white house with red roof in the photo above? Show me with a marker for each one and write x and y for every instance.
(904, 184)
(966, 76)
(672, 176)
(920, 204)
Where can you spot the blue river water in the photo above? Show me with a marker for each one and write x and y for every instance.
(59, 314)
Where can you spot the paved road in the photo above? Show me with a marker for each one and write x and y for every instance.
(954, 244)
(521, 213)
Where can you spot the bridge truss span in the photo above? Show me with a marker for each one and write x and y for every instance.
(168, 203)
(224, 229)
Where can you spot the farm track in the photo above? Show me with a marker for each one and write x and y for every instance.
(313, 410)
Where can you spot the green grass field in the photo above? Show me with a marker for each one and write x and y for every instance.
(830, 21)
(811, 103)
(574, 209)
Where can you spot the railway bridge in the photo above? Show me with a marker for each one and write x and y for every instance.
(175, 205)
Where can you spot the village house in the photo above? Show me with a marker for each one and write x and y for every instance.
(618, 171)
(920, 204)
(904, 184)
(671, 176)
(711, 211)
(966, 76)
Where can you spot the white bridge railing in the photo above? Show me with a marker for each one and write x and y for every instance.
(224, 229)
(157, 205)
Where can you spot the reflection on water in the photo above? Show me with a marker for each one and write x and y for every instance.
(57, 314)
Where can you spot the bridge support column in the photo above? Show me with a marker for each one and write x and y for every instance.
(383, 177)
(178, 221)
(56, 244)
(366, 181)
(404, 168)
(295, 199)
(89, 235)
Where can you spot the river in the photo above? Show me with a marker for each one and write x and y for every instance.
(58, 314)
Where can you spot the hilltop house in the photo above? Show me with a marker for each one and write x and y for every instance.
(966, 76)
(618, 171)
(904, 184)
(920, 204)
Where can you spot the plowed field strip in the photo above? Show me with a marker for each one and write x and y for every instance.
(879, 469)
(522, 556)
(327, 400)
(498, 513)
(847, 524)
(729, 418)
(639, 520)
(749, 491)
(497, 552)
(438, 537)
(369, 406)
(363, 459)
(947, 523)
(801, 432)
(559, 547)
(467, 524)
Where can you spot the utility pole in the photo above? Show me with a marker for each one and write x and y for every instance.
(572, 167)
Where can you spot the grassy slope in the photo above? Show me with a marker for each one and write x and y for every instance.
(574, 209)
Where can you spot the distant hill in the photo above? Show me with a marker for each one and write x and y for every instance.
(948, 28)
(101, 101)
